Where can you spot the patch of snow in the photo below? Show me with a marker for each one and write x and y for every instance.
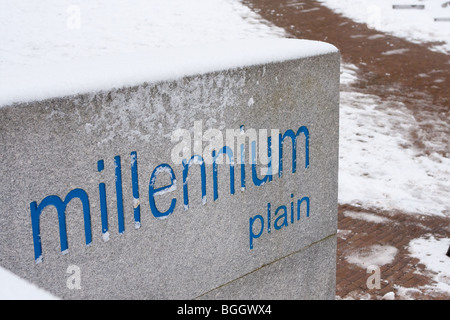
(43, 32)
(348, 73)
(378, 165)
(389, 296)
(44, 39)
(356, 295)
(136, 203)
(376, 36)
(414, 25)
(432, 253)
(39, 259)
(15, 288)
(251, 102)
(395, 51)
(377, 255)
(23, 84)
(406, 293)
(366, 217)
(172, 188)
(105, 236)
(343, 233)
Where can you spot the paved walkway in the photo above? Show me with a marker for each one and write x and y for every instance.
(404, 276)
(385, 76)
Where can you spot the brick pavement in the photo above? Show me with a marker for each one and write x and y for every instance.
(404, 272)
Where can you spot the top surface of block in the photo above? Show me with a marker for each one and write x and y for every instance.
(25, 84)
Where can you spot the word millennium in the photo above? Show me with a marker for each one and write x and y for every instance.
(281, 221)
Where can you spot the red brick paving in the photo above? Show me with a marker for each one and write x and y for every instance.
(404, 271)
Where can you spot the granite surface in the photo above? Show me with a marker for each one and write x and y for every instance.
(91, 181)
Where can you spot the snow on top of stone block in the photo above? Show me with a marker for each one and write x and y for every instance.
(25, 83)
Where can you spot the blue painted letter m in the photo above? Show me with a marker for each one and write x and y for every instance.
(61, 209)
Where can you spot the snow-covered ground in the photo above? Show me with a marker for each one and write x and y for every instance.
(13, 287)
(429, 251)
(416, 25)
(379, 168)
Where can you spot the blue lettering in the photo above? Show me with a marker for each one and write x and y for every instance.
(103, 206)
(119, 195)
(194, 159)
(290, 133)
(135, 187)
(61, 210)
(283, 216)
(299, 203)
(152, 192)
(292, 209)
(252, 234)
(281, 220)
(225, 150)
(242, 167)
(242, 149)
(268, 177)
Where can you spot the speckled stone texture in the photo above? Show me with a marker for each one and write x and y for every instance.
(52, 147)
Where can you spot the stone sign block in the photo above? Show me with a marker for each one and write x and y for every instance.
(216, 181)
